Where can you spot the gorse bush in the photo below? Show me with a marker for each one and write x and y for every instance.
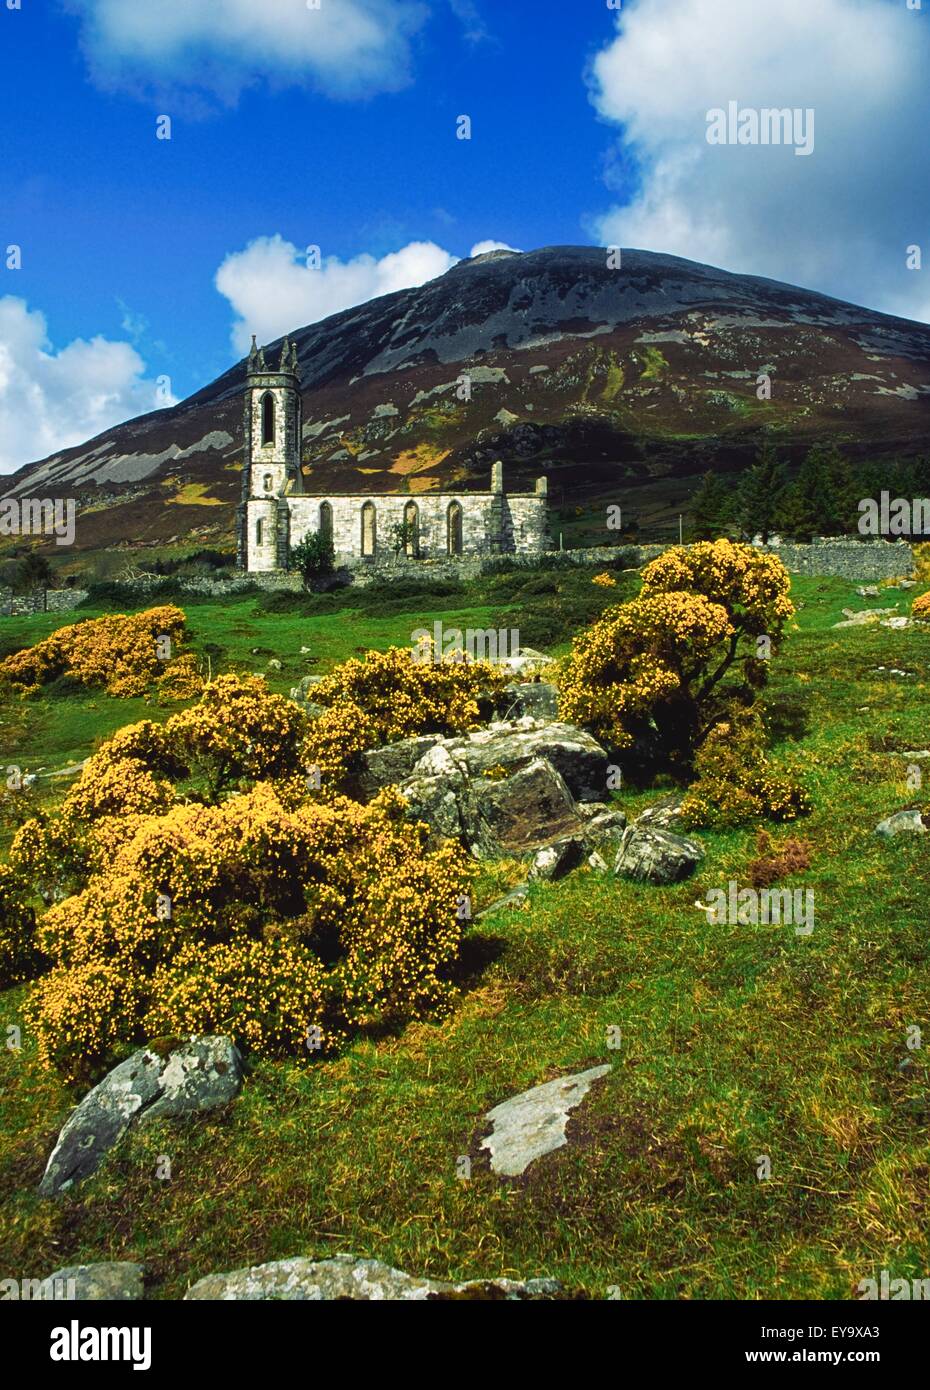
(122, 653)
(658, 671)
(920, 609)
(390, 696)
(250, 918)
(195, 881)
(736, 783)
(19, 957)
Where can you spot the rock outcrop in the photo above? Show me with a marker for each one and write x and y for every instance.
(202, 1074)
(346, 1277)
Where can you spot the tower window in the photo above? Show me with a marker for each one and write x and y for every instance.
(258, 531)
(326, 521)
(269, 482)
(267, 418)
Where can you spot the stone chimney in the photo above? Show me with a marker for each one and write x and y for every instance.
(497, 477)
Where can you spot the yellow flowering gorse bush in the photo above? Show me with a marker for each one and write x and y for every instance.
(920, 609)
(651, 670)
(195, 883)
(122, 653)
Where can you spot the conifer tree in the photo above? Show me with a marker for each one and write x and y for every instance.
(711, 508)
(814, 503)
(759, 500)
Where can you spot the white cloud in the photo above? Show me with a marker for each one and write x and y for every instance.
(274, 290)
(840, 220)
(50, 400)
(345, 48)
(481, 248)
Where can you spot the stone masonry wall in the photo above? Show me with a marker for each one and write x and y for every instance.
(491, 523)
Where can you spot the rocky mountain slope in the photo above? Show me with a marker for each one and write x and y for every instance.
(619, 384)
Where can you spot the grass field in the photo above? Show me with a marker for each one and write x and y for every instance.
(735, 1042)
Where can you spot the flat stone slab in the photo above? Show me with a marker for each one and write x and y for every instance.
(346, 1277)
(199, 1075)
(902, 823)
(533, 1123)
(117, 1279)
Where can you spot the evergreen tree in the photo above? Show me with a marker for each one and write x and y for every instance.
(758, 503)
(710, 509)
(814, 503)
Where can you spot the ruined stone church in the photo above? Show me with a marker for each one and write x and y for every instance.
(276, 512)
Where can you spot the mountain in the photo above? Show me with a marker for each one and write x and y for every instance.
(619, 384)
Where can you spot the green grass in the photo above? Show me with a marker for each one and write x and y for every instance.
(736, 1042)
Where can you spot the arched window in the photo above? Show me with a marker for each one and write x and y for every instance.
(454, 526)
(326, 521)
(267, 418)
(412, 530)
(258, 531)
(369, 534)
(269, 482)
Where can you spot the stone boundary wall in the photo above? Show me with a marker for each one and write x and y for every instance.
(42, 601)
(862, 561)
(848, 559)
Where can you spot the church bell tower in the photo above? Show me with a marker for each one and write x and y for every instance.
(271, 464)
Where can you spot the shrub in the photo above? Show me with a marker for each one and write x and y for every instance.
(735, 782)
(920, 609)
(120, 653)
(313, 557)
(605, 580)
(791, 857)
(403, 697)
(19, 955)
(278, 920)
(659, 669)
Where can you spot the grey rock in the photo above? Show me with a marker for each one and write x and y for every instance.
(516, 898)
(346, 1277)
(525, 661)
(656, 856)
(554, 861)
(602, 837)
(392, 763)
(864, 617)
(534, 1122)
(301, 691)
(200, 1075)
(203, 1075)
(902, 823)
(574, 753)
(896, 623)
(538, 699)
(527, 809)
(664, 814)
(119, 1280)
(441, 794)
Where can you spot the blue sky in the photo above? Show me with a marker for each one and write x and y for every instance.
(144, 259)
